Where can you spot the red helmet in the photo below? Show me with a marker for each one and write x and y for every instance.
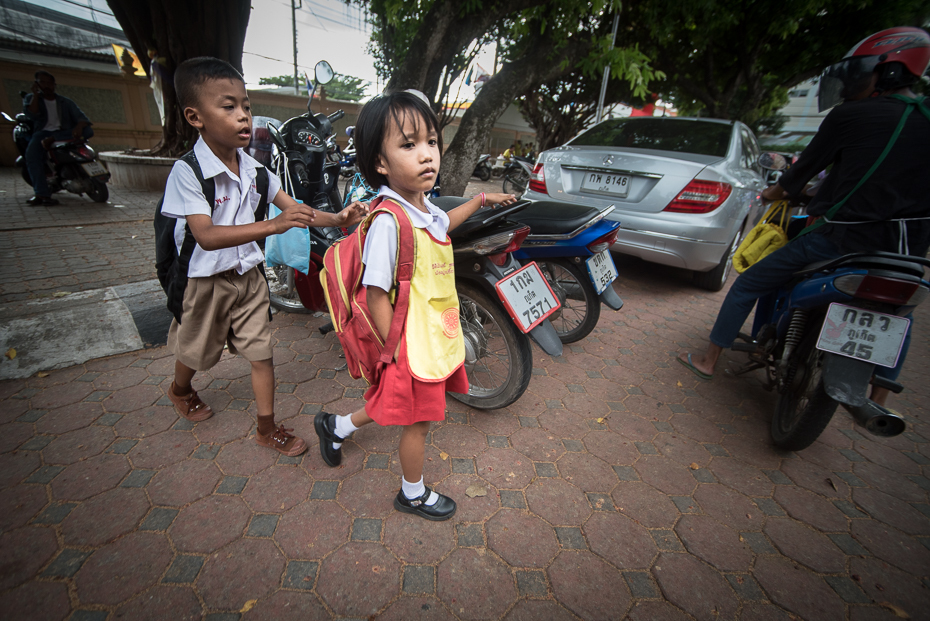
(910, 47)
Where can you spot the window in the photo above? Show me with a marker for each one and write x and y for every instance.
(662, 134)
(799, 93)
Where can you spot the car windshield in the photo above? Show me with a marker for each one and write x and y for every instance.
(663, 134)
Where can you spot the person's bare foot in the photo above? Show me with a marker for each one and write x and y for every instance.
(698, 364)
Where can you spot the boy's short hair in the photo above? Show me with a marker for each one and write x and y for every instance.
(372, 127)
(42, 73)
(193, 72)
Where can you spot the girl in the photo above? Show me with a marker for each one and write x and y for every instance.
(399, 143)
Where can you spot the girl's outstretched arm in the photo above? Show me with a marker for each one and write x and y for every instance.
(465, 210)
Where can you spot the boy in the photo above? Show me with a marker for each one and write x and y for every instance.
(226, 299)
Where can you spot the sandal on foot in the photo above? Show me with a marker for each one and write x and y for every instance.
(690, 365)
(282, 441)
(189, 406)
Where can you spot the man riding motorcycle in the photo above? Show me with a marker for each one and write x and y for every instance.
(889, 212)
(53, 117)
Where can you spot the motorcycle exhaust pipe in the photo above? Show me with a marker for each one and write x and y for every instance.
(877, 420)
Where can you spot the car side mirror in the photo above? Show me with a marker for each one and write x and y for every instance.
(773, 161)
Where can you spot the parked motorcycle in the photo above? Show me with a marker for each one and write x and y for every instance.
(503, 305)
(71, 165)
(483, 167)
(517, 175)
(571, 244)
(347, 163)
(821, 337)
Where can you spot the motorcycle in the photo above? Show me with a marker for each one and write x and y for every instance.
(483, 167)
(71, 165)
(571, 244)
(820, 338)
(517, 175)
(347, 162)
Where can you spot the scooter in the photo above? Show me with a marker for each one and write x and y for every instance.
(483, 167)
(571, 244)
(821, 337)
(347, 162)
(517, 175)
(71, 165)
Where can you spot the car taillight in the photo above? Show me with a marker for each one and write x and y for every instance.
(882, 289)
(538, 179)
(604, 242)
(700, 197)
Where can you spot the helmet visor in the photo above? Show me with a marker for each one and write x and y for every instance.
(844, 80)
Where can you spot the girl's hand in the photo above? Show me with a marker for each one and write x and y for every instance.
(295, 215)
(499, 199)
(353, 214)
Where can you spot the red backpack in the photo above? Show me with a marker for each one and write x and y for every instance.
(366, 354)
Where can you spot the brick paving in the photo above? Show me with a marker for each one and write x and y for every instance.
(618, 486)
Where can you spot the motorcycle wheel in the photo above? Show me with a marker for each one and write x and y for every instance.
(715, 279)
(25, 173)
(484, 173)
(515, 183)
(581, 308)
(498, 358)
(282, 290)
(804, 409)
(99, 192)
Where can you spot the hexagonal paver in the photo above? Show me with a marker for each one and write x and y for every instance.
(75, 446)
(610, 448)
(359, 579)
(370, 493)
(798, 590)
(244, 570)
(491, 588)
(666, 475)
(91, 477)
(645, 504)
(806, 545)
(209, 524)
(18, 505)
(419, 608)
(146, 422)
(123, 509)
(892, 546)
(226, 428)
(587, 472)
(69, 418)
(162, 449)
(505, 468)
(36, 600)
(58, 396)
(588, 586)
(729, 507)
(521, 540)
(151, 606)
(277, 489)
(694, 587)
(810, 508)
(681, 449)
(418, 542)
(818, 480)
(313, 529)
(288, 606)
(123, 568)
(892, 511)
(183, 483)
(537, 444)
(885, 583)
(22, 552)
(621, 541)
(245, 457)
(558, 502)
(742, 477)
(713, 542)
(477, 509)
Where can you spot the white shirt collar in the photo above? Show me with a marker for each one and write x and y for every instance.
(211, 165)
(419, 219)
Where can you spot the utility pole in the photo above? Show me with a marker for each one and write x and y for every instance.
(600, 99)
(294, 30)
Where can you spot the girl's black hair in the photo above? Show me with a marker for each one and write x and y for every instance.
(372, 127)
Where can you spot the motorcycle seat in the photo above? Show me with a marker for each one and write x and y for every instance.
(552, 218)
(869, 262)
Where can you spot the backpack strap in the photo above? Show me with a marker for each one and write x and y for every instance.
(403, 271)
(261, 184)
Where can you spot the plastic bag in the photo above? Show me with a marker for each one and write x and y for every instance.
(764, 238)
(290, 248)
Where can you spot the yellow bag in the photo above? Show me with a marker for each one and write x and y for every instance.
(764, 238)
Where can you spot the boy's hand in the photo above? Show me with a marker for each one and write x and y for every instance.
(499, 199)
(296, 215)
(353, 214)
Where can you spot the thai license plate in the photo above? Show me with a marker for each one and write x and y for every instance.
(602, 270)
(606, 183)
(863, 334)
(527, 296)
(94, 169)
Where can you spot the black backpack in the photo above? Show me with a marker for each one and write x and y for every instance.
(171, 266)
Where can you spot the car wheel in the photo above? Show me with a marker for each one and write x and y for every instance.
(715, 279)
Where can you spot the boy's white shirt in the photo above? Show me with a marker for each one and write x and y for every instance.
(380, 252)
(233, 206)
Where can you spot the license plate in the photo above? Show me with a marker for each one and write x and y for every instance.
(602, 270)
(863, 334)
(94, 169)
(527, 296)
(606, 183)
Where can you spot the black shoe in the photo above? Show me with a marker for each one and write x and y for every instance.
(42, 200)
(325, 425)
(443, 509)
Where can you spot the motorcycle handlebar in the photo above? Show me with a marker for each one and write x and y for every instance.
(335, 116)
(301, 171)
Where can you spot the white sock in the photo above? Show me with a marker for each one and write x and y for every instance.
(414, 490)
(344, 429)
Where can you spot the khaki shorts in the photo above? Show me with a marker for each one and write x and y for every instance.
(226, 308)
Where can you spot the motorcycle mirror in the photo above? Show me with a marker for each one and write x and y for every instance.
(773, 161)
(323, 72)
(350, 130)
(275, 135)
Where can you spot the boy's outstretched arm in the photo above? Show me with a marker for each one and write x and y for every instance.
(212, 236)
(463, 211)
(353, 214)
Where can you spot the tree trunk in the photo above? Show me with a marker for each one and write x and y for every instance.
(492, 100)
(179, 30)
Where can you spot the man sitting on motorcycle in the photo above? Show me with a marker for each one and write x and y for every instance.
(53, 118)
(889, 212)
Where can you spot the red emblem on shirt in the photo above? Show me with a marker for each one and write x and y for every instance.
(450, 322)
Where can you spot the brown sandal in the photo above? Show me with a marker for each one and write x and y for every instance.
(190, 406)
(282, 441)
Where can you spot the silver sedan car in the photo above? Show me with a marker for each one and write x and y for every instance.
(685, 190)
